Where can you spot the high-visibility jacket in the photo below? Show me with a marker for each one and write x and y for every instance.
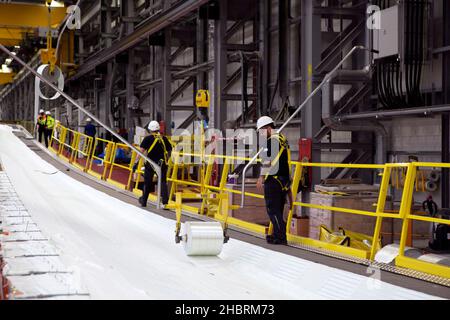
(50, 122)
(41, 121)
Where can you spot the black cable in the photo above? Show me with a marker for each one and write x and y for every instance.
(421, 10)
(381, 87)
(416, 15)
(407, 52)
(400, 83)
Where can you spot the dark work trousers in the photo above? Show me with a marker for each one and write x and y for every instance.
(48, 136)
(149, 185)
(43, 132)
(275, 200)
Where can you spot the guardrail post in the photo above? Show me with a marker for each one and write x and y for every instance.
(62, 140)
(380, 208)
(133, 159)
(405, 206)
(294, 189)
(173, 186)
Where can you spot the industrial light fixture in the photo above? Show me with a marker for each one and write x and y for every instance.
(54, 4)
(17, 47)
(5, 69)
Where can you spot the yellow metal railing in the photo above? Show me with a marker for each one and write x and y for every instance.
(407, 216)
(127, 167)
(211, 196)
(83, 151)
(105, 161)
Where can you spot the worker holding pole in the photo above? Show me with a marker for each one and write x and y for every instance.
(275, 175)
(158, 148)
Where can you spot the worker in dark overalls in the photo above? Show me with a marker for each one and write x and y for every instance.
(158, 148)
(41, 125)
(275, 175)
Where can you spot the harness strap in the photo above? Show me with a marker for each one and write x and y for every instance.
(284, 145)
(159, 139)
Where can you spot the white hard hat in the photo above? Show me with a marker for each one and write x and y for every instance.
(153, 126)
(41, 111)
(88, 120)
(263, 121)
(48, 113)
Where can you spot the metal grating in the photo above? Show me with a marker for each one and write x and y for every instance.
(382, 266)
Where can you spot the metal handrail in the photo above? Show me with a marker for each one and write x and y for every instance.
(309, 97)
(71, 100)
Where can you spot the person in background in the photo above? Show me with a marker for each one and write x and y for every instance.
(158, 148)
(41, 126)
(89, 129)
(275, 176)
(50, 124)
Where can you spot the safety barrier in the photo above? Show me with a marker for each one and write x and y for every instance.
(208, 193)
(408, 217)
(98, 166)
(72, 145)
(379, 212)
(83, 151)
(122, 174)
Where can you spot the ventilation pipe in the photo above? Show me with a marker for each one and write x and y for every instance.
(336, 125)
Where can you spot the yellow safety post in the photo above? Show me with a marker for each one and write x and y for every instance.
(174, 177)
(62, 140)
(133, 159)
(178, 206)
(294, 189)
(139, 173)
(205, 192)
(406, 204)
(386, 175)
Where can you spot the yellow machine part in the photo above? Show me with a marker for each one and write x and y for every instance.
(6, 77)
(30, 16)
(348, 238)
(202, 99)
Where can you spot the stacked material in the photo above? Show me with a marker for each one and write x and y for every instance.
(32, 266)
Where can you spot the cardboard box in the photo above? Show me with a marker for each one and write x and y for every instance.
(300, 226)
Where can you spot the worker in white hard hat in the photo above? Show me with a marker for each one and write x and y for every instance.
(41, 126)
(89, 128)
(275, 176)
(158, 148)
(50, 124)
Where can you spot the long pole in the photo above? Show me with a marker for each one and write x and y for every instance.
(71, 100)
(309, 97)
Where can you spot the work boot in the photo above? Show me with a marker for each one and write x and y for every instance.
(280, 241)
(143, 205)
(269, 239)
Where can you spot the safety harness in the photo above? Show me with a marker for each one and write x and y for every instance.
(158, 138)
(284, 145)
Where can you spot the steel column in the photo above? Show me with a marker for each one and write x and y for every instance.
(445, 187)
(220, 71)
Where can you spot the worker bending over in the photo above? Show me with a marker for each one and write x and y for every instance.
(158, 148)
(275, 175)
(50, 124)
(41, 127)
